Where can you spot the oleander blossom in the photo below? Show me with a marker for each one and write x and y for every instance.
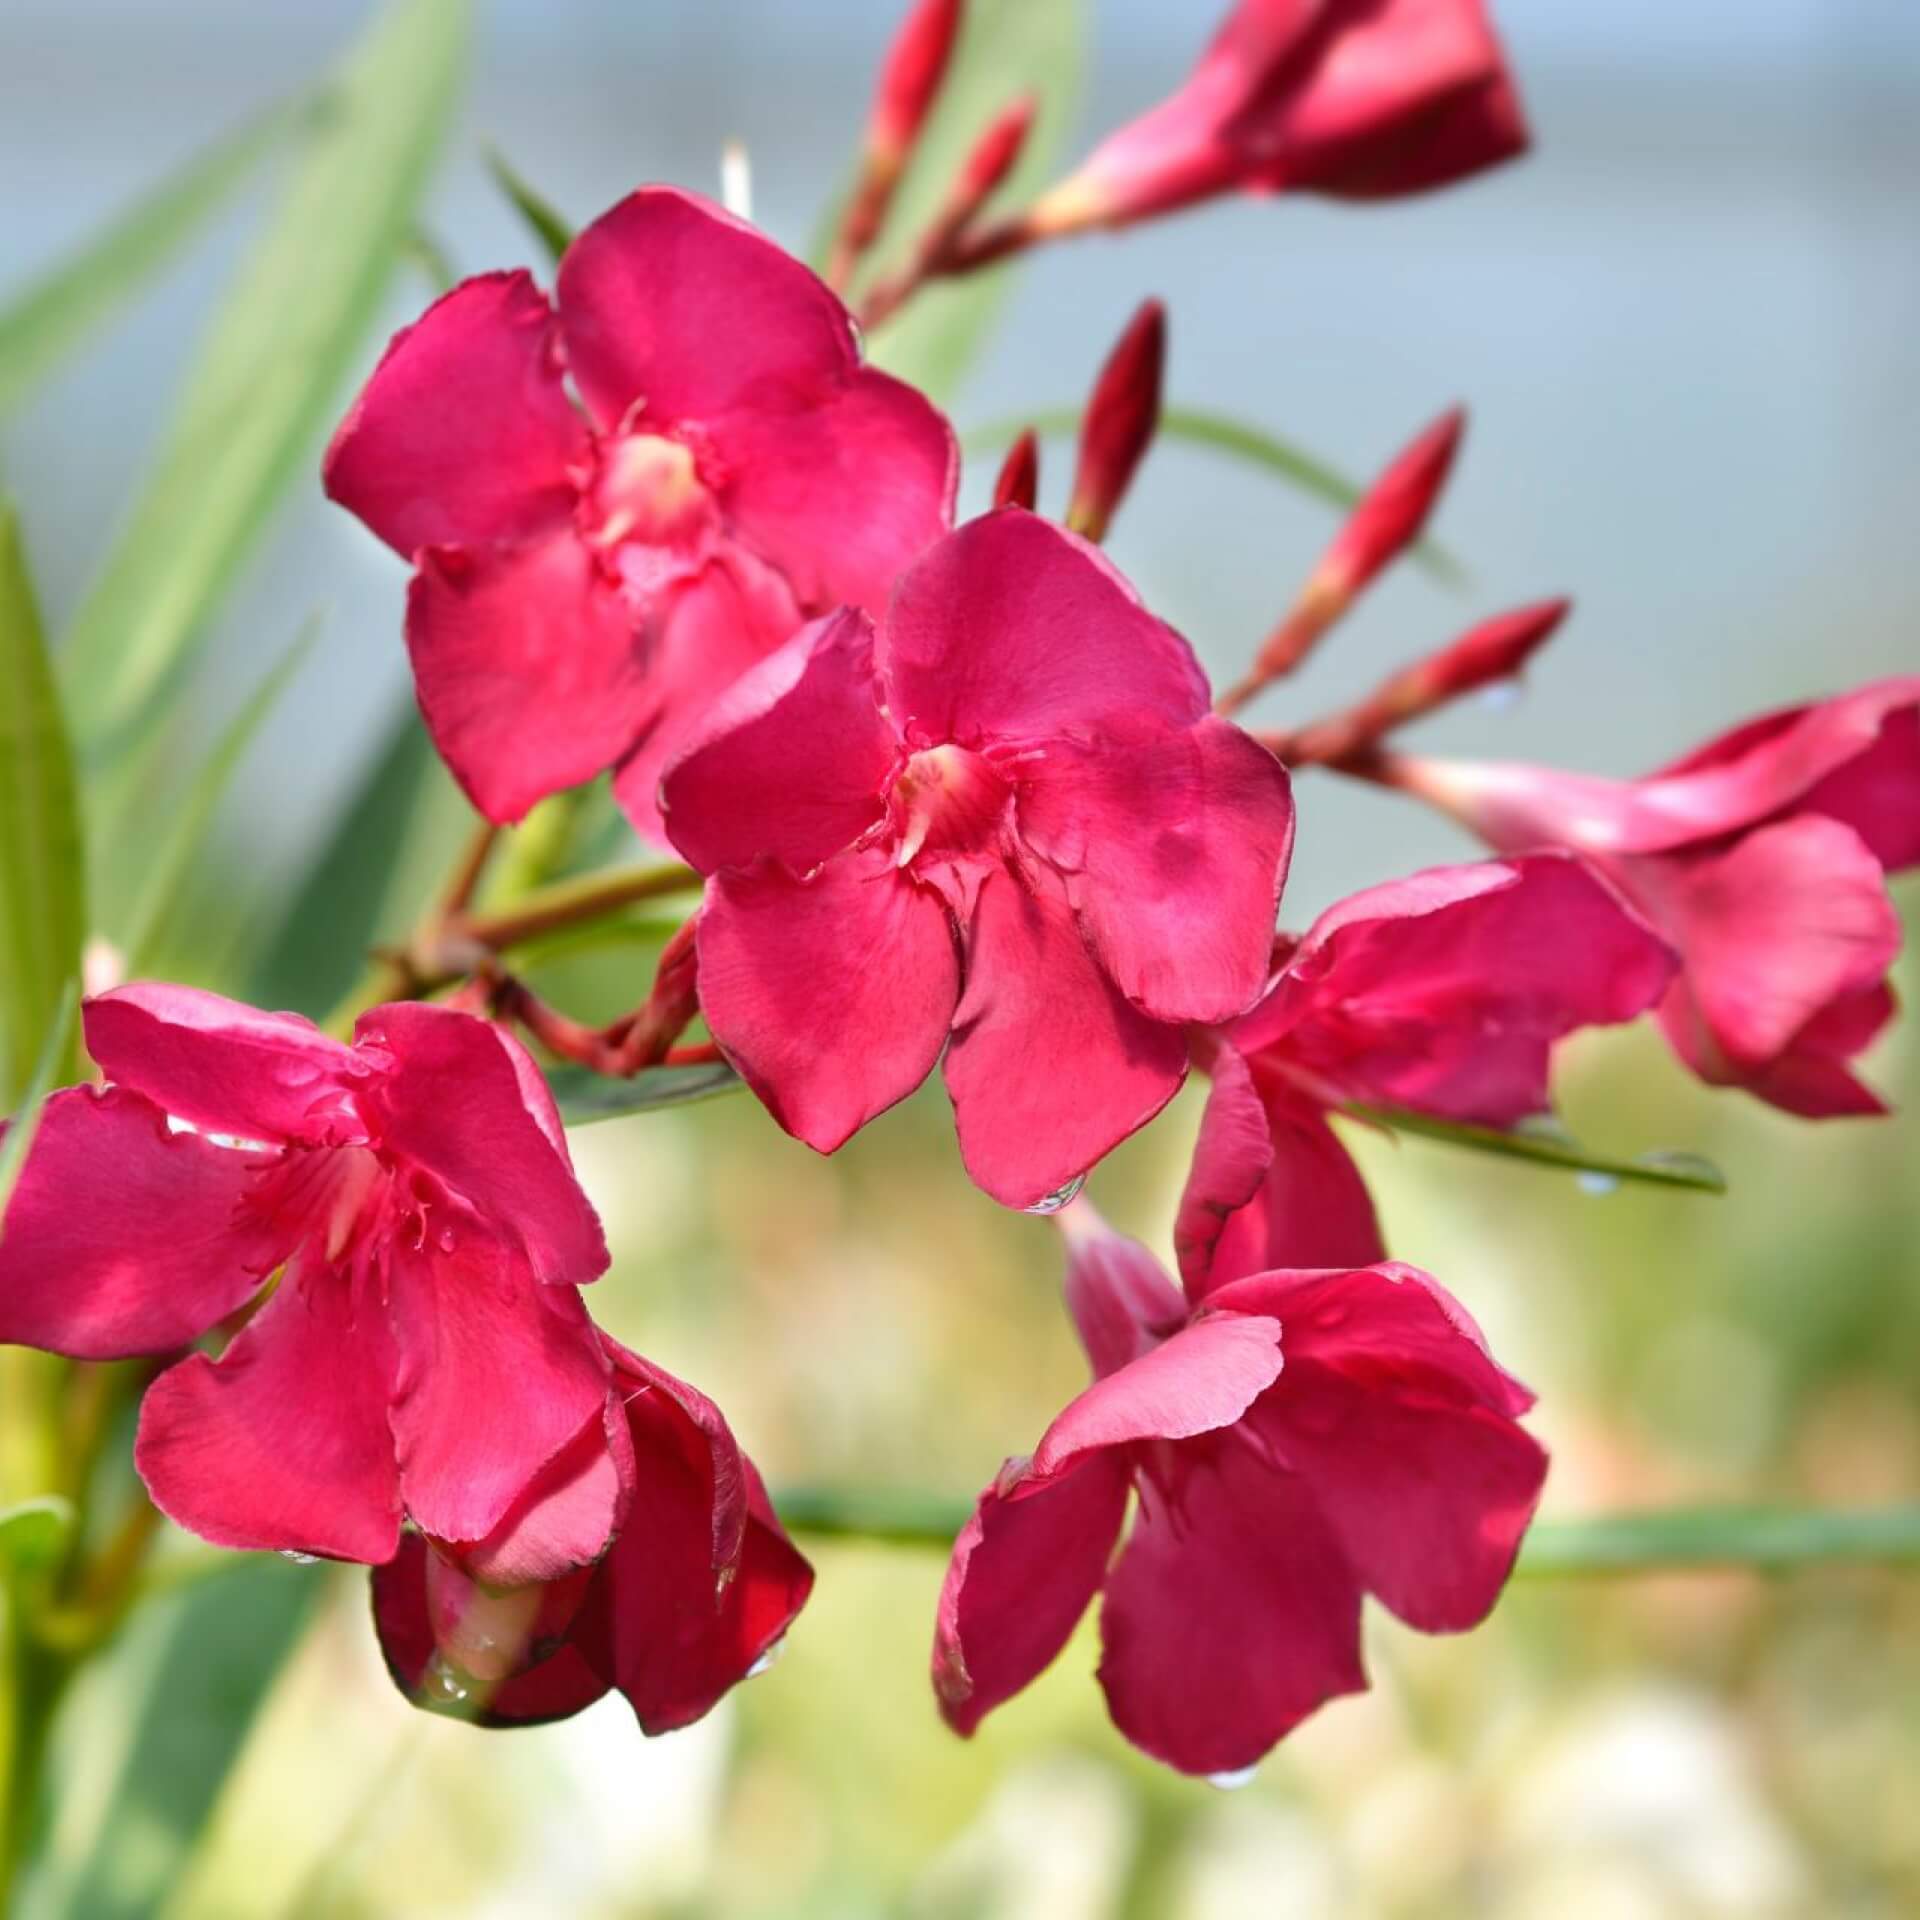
(1442, 994)
(1360, 99)
(424, 1351)
(1007, 816)
(696, 1591)
(587, 576)
(1291, 1442)
(1762, 859)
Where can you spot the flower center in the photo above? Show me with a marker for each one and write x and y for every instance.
(648, 490)
(945, 800)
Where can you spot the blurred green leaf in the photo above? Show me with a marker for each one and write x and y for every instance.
(34, 1535)
(1545, 1147)
(193, 813)
(56, 1050)
(270, 368)
(584, 1097)
(54, 316)
(371, 875)
(1007, 48)
(550, 227)
(43, 906)
(1255, 445)
(162, 1721)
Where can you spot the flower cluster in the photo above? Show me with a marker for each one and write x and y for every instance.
(956, 797)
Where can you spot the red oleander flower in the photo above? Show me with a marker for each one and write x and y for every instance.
(1008, 816)
(1442, 994)
(588, 576)
(1361, 99)
(697, 1588)
(1293, 1441)
(424, 1352)
(1762, 858)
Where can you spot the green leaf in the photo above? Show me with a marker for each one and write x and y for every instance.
(550, 227)
(54, 316)
(370, 876)
(42, 893)
(584, 1097)
(1255, 445)
(56, 1051)
(1546, 1146)
(193, 813)
(34, 1535)
(1007, 48)
(270, 368)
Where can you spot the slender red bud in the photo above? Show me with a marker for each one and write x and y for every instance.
(1389, 519)
(1121, 420)
(1493, 651)
(1019, 482)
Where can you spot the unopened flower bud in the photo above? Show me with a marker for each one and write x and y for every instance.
(1018, 484)
(1120, 423)
(910, 78)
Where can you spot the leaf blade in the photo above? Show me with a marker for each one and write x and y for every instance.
(584, 1098)
(16, 1138)
(546, 222)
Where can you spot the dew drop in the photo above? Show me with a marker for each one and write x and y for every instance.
(1060, 1197)
(1597, 1183)
(1234, 1781)
(1500, 695)
(766, 1661)
(446, 1240)
(299, 1559)
(444, 1682)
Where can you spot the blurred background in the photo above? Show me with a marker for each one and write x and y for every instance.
(1685, 330)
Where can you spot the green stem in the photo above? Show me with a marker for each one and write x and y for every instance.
(37, 1677)
(1662, 1541)
(569, 903)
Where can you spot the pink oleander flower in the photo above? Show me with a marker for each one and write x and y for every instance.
(696, 1590)
(425, 1353)
(1361, 99)
(1295, 1440)
(587, 576)
(1442, 994)
(1006, 816)
(1762, 859)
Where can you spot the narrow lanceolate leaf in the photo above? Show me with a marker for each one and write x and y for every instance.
(1007, 48)
(1542, 1147)
(55, 315)
(584, 1097)
(42, 891)
(193, 813)
(549, 226)
(1256, 446)
(270, 370)
(16, 1140)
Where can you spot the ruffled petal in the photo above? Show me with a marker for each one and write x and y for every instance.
(225, 1067)
(1230, 1615)
(455, 1102)
(1173, 852)
(464, 436)
(1813, 1077)
(670, 304)
(1022, 1573)
(1013, 630)
(832, 994)
(1050, 1068)
(1119, 1295)
(527, 668)
(282, 1443)
(843, 497)
(1230, 1162)
(123, 1237)
(791, 764)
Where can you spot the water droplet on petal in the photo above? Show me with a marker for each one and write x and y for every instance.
(1501, 694)
(446, 1240)
(443, 1682)
(299, 1559)
(1060, 1197)
(772, 1653)
(1590, 1182)
(1234, 1781)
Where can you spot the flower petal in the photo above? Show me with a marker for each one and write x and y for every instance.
(225, 1067)
(1229, 1617)
(529, 674)
(832, 994)
(1173, 852)
(1050, 1068)
(1011, 629)
(1022, 1574)
(464, 436)
(842, 497)
(1230, 1162)
(668, 302)
(1119, 1296)
(123, 1237)
(455, 1102)
(282, 1443)
(1812, 1078)
(792, 762)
